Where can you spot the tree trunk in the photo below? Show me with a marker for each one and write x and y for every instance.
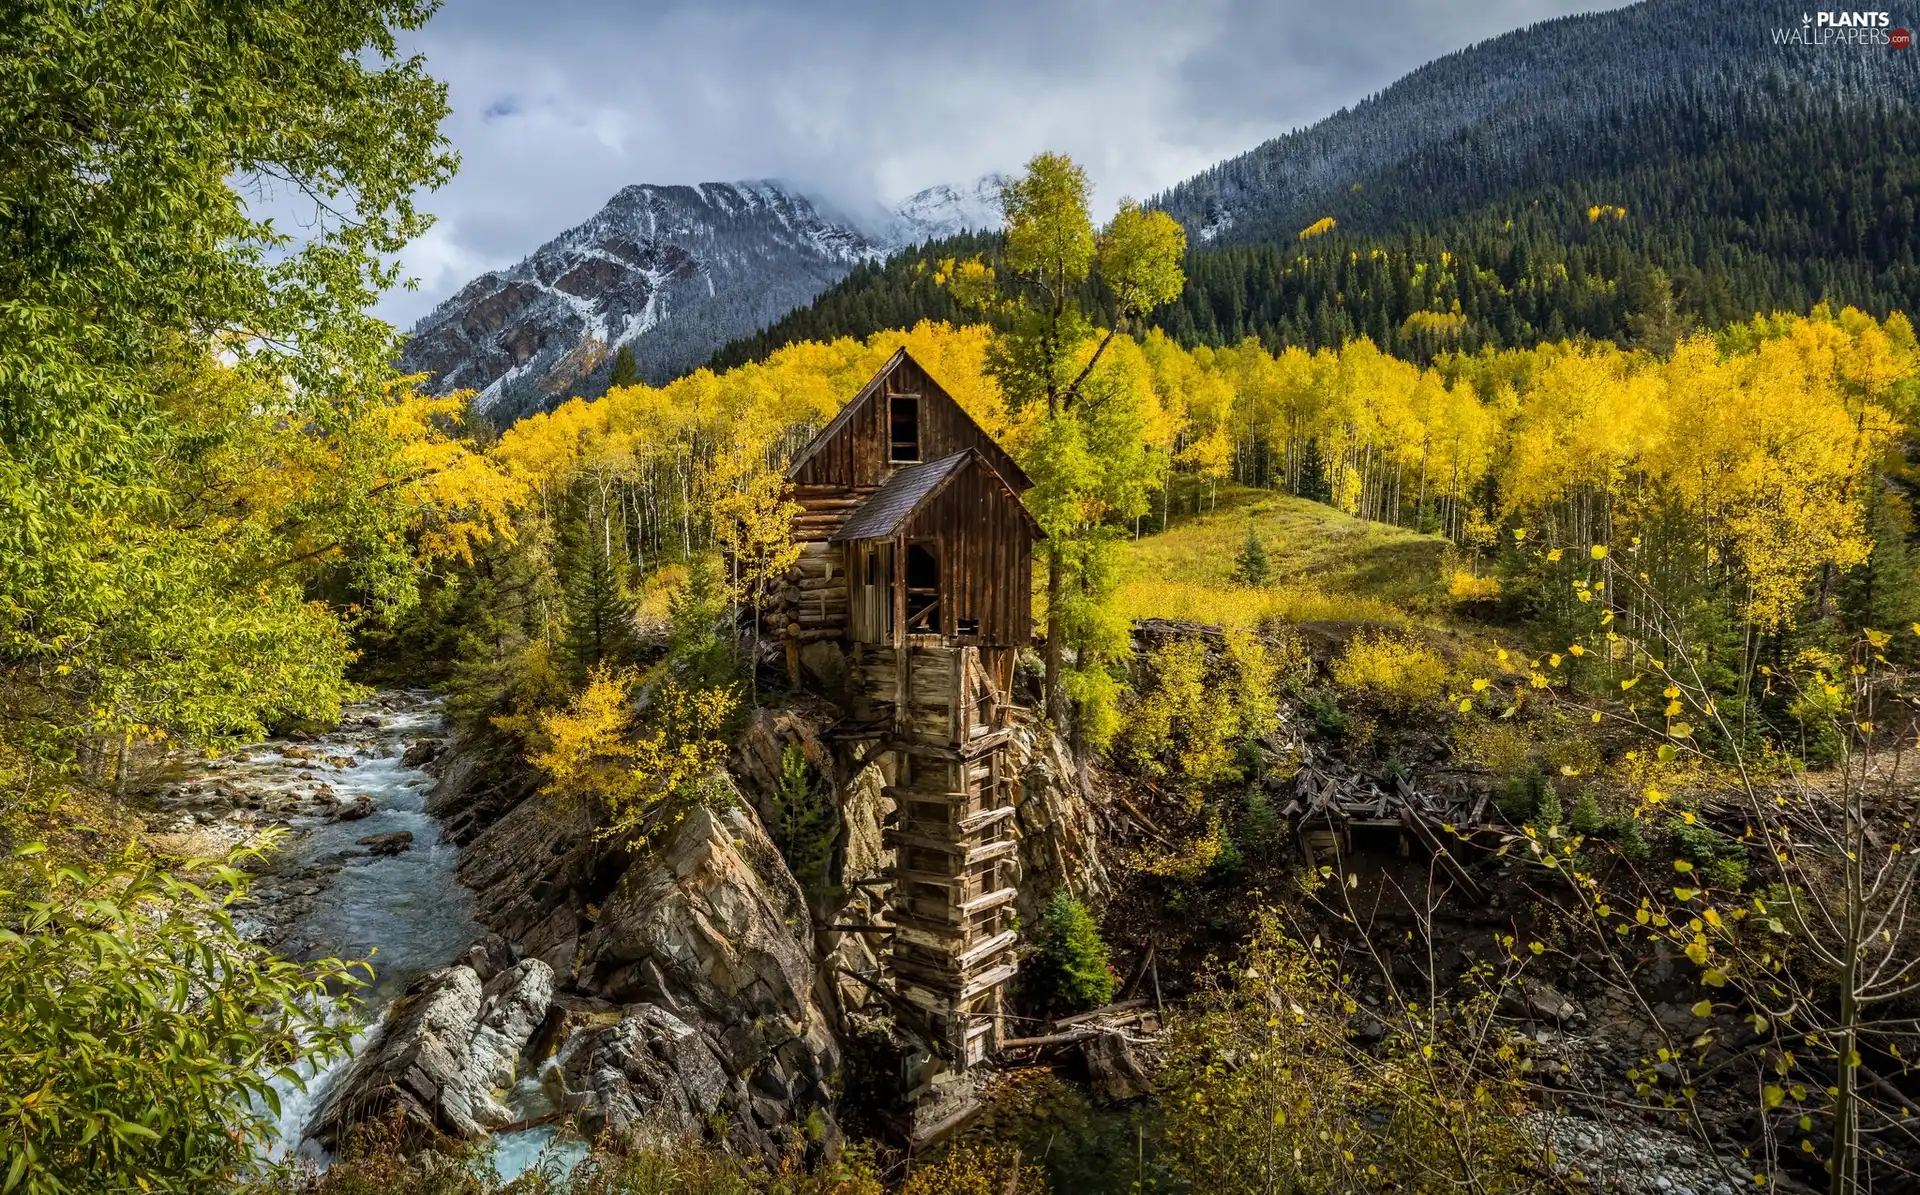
(1054, 709)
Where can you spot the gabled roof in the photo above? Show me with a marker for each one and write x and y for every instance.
(908, 490)
(1006, 468)
(845, 415)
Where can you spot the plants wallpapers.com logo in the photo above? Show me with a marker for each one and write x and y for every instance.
(1844, 29)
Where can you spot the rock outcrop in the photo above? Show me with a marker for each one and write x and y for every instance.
(712, 929)
(447, 1052)
(1060, 831)
(686, 966)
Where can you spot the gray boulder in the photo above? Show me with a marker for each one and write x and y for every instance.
(651, 1072)
(448, 1049)
(395, 843)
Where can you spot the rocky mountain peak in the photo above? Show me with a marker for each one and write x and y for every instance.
(669, 272)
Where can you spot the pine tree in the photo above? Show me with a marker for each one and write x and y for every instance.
(1073, 973)
(1251, 567)
(1314, 483)
(1882, 593)
(599, 623)
(698, 650)
(1658, 325)
(805, 825)
(1586, 817)
(626, 371)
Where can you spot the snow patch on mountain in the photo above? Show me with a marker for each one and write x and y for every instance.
(669, 272)
(947, 210)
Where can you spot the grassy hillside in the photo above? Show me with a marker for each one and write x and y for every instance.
(1325, 564)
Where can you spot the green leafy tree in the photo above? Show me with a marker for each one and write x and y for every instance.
(142, 1030)
(190, 394)
(1091, 471)
(1072, 972)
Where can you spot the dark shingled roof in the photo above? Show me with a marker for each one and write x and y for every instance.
(894, 503)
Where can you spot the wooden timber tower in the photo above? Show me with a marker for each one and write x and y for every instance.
(917, 556)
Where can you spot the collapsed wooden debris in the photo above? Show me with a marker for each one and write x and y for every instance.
(1106, 1038)
(1326, 807)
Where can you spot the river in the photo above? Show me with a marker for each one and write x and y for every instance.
(324, 894)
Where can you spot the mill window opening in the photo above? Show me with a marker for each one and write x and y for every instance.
(903, 412)
(923, 589)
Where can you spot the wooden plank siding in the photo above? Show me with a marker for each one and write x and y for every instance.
(852, 451)
(984, 539)
(940, 702)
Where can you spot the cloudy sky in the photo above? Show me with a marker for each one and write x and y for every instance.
(559, 103)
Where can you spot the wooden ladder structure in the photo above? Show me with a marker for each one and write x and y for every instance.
(953, 834)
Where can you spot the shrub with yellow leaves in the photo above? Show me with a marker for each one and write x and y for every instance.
(1393, 670)
(1264, 1090)
(596, 748)
(1199, 704)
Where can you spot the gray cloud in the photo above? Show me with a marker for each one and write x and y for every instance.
(556, 105)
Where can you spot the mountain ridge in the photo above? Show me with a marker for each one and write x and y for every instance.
(1502, 101)
(670, 272)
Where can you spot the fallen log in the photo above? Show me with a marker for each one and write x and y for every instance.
(1050, 1039)
(1453, 867)
(1102, 1011)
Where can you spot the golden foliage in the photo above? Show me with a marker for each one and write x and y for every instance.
(976, 1170)
(1468, 587)
(1436, 323)
(1263, 1088)
(1398, 672)
(1188, 722)
(597, 748)
(1320, 227)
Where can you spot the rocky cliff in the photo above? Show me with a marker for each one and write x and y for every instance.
(678, 985)
(666, 989)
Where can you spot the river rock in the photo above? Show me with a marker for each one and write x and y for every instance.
(447, 1050)
(512, 1006)
(489, 956)
(651, 1072)
(1537, 1000)
(360, 807)
(421, 753)
(387, 844)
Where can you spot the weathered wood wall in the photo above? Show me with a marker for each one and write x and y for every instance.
(852, 452)
(985, 543)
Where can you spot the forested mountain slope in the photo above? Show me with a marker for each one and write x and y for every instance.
(1530, 188)
(1562, 99)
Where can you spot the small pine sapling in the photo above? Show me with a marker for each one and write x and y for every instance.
(1251, 567)
(1073, 973)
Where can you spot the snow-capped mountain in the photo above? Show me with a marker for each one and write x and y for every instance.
(670, 273)
(947, 210)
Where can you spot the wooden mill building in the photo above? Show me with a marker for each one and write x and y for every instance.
(917, 555)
